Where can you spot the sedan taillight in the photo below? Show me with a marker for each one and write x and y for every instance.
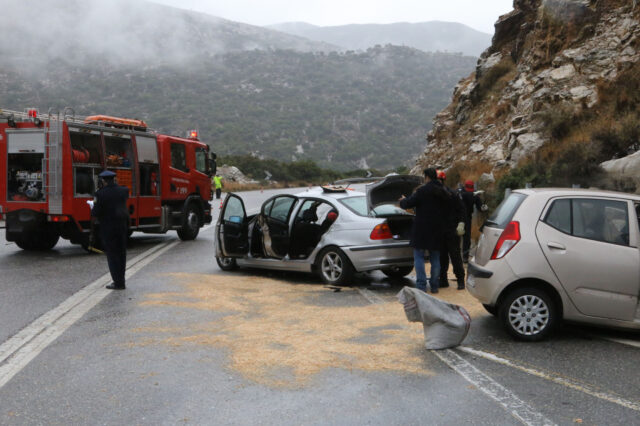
(381, 232)
(508, 239)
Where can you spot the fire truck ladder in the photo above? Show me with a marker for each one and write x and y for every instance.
(52, 166)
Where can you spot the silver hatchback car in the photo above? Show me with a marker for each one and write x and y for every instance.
(551, 254)
(329, 230)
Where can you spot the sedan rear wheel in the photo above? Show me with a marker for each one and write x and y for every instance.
(334, 266)
(528, 314)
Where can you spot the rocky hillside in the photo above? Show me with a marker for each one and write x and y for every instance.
(555, 100)
(427, 36)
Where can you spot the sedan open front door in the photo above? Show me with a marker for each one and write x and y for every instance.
(231, 229)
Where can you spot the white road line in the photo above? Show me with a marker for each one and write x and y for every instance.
(507, 399)
(514, 405)
(23, 347)
(556, 378)
(627, 342)
(371, 297)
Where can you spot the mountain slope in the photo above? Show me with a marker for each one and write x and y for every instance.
(344, 111)
(427, 36)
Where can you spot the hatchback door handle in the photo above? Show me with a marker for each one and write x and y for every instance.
(557, 246)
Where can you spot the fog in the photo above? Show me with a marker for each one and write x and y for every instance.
(131, 32)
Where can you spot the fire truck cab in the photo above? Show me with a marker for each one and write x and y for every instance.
(49, 166)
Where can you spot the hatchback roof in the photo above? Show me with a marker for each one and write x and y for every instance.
(578, 192)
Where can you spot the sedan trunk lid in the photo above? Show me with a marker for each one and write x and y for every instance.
(390, 189)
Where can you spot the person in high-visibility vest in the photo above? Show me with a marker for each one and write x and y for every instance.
(217, 181)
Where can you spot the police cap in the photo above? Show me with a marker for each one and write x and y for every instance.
(107, 174)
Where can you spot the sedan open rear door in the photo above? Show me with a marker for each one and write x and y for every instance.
(232, 228)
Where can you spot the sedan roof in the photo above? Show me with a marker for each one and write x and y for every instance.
(318, 192)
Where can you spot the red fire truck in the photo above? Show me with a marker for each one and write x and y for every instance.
(49, 166)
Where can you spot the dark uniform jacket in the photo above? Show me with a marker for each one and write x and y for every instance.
(455, 212)
(111, 207)
(469, 199)
(430, 202)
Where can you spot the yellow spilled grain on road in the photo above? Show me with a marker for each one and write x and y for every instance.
(280, 334)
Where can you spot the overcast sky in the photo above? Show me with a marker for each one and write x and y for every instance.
(478, 14)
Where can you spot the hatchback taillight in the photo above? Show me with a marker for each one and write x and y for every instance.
(381, 232)
(508, 239)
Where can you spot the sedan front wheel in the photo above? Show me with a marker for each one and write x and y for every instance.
(334, 266)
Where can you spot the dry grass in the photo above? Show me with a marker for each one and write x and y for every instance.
(277, 335)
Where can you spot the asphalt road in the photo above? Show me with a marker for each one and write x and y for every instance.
(189, 344)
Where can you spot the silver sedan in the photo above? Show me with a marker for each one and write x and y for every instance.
(332, 231)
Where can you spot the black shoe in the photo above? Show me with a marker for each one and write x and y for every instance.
(112, 286)
(460, 285)
(434, 291)
(443, 284)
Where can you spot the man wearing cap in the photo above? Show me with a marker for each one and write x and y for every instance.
(469, 200)
(429, 202)
(110, 209)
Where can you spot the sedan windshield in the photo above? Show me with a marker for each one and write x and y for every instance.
(358, 205)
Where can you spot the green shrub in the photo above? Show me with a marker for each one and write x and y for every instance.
(488, 80)
(559, 122)
(618, 140)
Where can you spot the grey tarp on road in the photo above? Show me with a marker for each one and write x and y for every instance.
(445, 325)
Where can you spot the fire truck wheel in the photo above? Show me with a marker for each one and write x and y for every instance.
(38, 242)
(190, 224)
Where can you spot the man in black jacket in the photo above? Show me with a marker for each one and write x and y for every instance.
(429, 202)
(454, 228)
(111, 210)
(469, 200)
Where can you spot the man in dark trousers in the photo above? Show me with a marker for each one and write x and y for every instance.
(429, 202)
(454, 228)
(110, 209)
(469, 199)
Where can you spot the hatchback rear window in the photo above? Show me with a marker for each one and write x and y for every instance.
(505, 211)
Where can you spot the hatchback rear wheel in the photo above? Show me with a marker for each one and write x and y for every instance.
(528, 314)
(334, 266)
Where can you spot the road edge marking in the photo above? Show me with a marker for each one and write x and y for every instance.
(24, 346)
(371, 297)
(555, 378)
(507, 399)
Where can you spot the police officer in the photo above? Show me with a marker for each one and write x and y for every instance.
(110, 209)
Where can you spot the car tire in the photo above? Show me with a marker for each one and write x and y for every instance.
(491, 309)
(397, 271)
(528, 314)
(334, 266)
(190, 223)
(227, 263)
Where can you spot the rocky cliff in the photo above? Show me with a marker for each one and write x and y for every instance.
(552, 99)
